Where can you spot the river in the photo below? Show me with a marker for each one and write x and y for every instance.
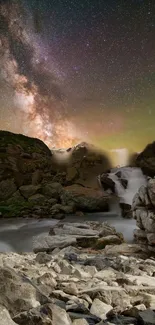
(17, 235)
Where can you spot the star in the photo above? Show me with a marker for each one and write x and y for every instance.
(79, 70)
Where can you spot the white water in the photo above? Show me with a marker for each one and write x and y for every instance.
(18, 234)
(135, 179)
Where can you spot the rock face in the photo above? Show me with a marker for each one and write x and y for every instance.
(5, 318)
(84, 199)
(89, 162)
(72, 286)
(33, 183)
(146, 160)
(144, 212)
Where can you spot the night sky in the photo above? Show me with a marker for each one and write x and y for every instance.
(73, 71)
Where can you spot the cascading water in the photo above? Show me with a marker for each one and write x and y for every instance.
(17, 235)
(123, 183)
(134, 180)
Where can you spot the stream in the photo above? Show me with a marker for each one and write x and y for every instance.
(17, 235)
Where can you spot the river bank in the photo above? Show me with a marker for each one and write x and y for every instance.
(76, 286)
(17, 235)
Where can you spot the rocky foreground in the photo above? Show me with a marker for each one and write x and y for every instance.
(75, 284)
(80, 273)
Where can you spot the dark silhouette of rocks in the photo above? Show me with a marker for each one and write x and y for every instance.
(42, 182)
(146, 160)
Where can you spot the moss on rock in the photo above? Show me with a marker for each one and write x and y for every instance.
(15, 209)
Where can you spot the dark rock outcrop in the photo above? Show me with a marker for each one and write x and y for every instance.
(82, 164)
(34, 183)
(146, 160)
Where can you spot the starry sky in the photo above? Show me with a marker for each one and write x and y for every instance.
(79, 70)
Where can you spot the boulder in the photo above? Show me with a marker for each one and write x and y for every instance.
(106, 274)
(7, 189)
(151, 239)
(147, 317)
(120, 319)
(52, 190)
(16, 198)
(149, 300)
(100, 262)
(59, 208)
(80, 322)
(78, 225)
(81, 274)
(29, 190)
(34, 316)
(5, 318)
(47, 243)
(49, 314)
(151, 190)
(144, 212)
(59, 316)
(16, 293)
(106, 230)
(146, 160)
(37, 199)
(100, 309)
(43, 258)
(126, 210)
(73, 231)
(123, 249)
(108, 240)
(88, 235)
(87, 241)
(46, 283)
(84, 199)
(140, 280)
(140, 236)
(134, 311)
(91, 319)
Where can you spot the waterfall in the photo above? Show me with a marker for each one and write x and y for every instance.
(134, 179)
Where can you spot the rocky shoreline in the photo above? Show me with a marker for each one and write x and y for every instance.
(77, 282)
(91, 235)
(80, 273)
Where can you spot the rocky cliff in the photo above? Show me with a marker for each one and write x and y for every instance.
(37, 181)
(144, 212)
(146, 160)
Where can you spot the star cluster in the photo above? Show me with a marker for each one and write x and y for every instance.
(79, 70)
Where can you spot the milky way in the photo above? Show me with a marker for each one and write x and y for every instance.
(79, 70)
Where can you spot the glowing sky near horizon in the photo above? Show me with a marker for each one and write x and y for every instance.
(73, 70)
